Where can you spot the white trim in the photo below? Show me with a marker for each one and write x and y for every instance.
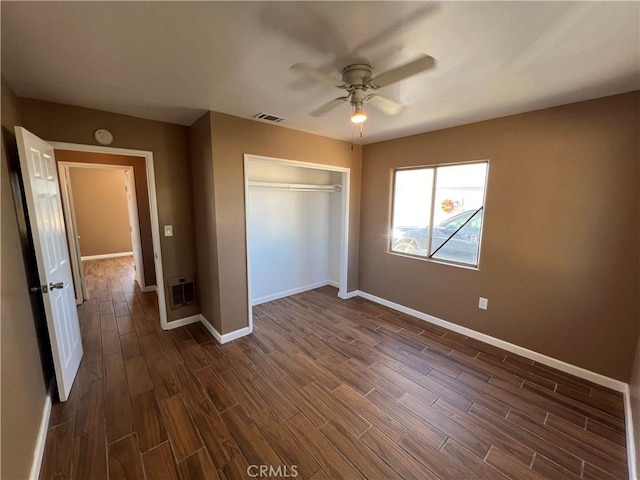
(227, 337)
(106, 255)
(181, 322)
(293, 291)
(349, 295)
(38, 452)
(132, 214)
(153, 207)
(580, 372)
(629, 428)
(148, 288)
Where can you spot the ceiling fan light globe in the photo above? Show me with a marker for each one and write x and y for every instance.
(358, 117)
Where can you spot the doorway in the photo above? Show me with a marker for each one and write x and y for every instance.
(102, 217)
(150, 272)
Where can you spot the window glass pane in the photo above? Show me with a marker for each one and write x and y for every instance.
(412, 211)
(459, 193)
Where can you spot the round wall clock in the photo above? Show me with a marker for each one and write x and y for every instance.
(103, 136)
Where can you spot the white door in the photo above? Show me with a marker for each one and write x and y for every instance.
(42, 192)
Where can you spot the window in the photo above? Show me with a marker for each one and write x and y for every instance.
(449, 197)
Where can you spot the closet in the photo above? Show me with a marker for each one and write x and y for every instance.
(296, 233)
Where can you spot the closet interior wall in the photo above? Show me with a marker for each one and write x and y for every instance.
(294, 236)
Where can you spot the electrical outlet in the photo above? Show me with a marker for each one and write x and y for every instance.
(483, 303)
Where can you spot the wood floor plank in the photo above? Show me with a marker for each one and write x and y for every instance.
(193, 355)
(371, 412)
(276, 400)
(216, 389)
(188, 384)
(589, 453)
(428, 434)
(159, 463)
(182, 432)
(254, 447)
(138, 375)
(218, 440)
(199, 333)
(290, 451)
(125, 324)
(90, 414)
(124, 459)
(328, 457)
(474, 464)
(548, 449)
(130, 346)
(197, 467)
(114, 371)
(316, 412)
(369, 464)
(510, 467)
(57, 459)
(118, 413)
(217, 359)
(447, 425)
(90, 455)
(148, 420)
(397, 458)
(432, 459)
(340, 411)
(110, 343)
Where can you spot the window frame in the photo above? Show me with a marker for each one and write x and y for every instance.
(434, 167)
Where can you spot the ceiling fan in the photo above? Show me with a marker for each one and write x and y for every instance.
(357, 79)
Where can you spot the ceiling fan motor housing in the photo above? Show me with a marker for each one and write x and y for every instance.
(357, 74)
(356, 78)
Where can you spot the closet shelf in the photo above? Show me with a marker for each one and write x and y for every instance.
(298, 187)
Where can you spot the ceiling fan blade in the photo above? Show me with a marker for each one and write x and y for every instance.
(314, 74)
(327, 107)
(385, 105)
(400, 73)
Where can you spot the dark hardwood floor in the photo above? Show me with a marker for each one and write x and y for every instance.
(323, 389)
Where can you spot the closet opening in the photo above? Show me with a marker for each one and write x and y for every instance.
(297, 227)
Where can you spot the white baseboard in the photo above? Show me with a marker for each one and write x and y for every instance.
(38, 452)
(629, 428)
(227, 337)
(580, 372)
(106, 255)
(150, 288)
(293, 291)
(349, 295)
(181, 322)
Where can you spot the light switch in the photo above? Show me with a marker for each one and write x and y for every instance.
(168, 230)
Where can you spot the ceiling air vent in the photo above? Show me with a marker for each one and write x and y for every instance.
(269, 117)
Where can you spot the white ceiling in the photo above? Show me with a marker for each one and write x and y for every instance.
(171, 61)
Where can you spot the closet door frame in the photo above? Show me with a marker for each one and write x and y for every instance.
(344, 214)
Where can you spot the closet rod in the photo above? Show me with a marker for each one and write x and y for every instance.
(300, 187)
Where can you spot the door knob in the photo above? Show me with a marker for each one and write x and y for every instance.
(53, 286)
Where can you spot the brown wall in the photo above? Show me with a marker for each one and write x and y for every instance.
(232, 137)
(23, 383)
(205, 208)
(560, 250)
(170, 146)
(142, 197)
(102, 213)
